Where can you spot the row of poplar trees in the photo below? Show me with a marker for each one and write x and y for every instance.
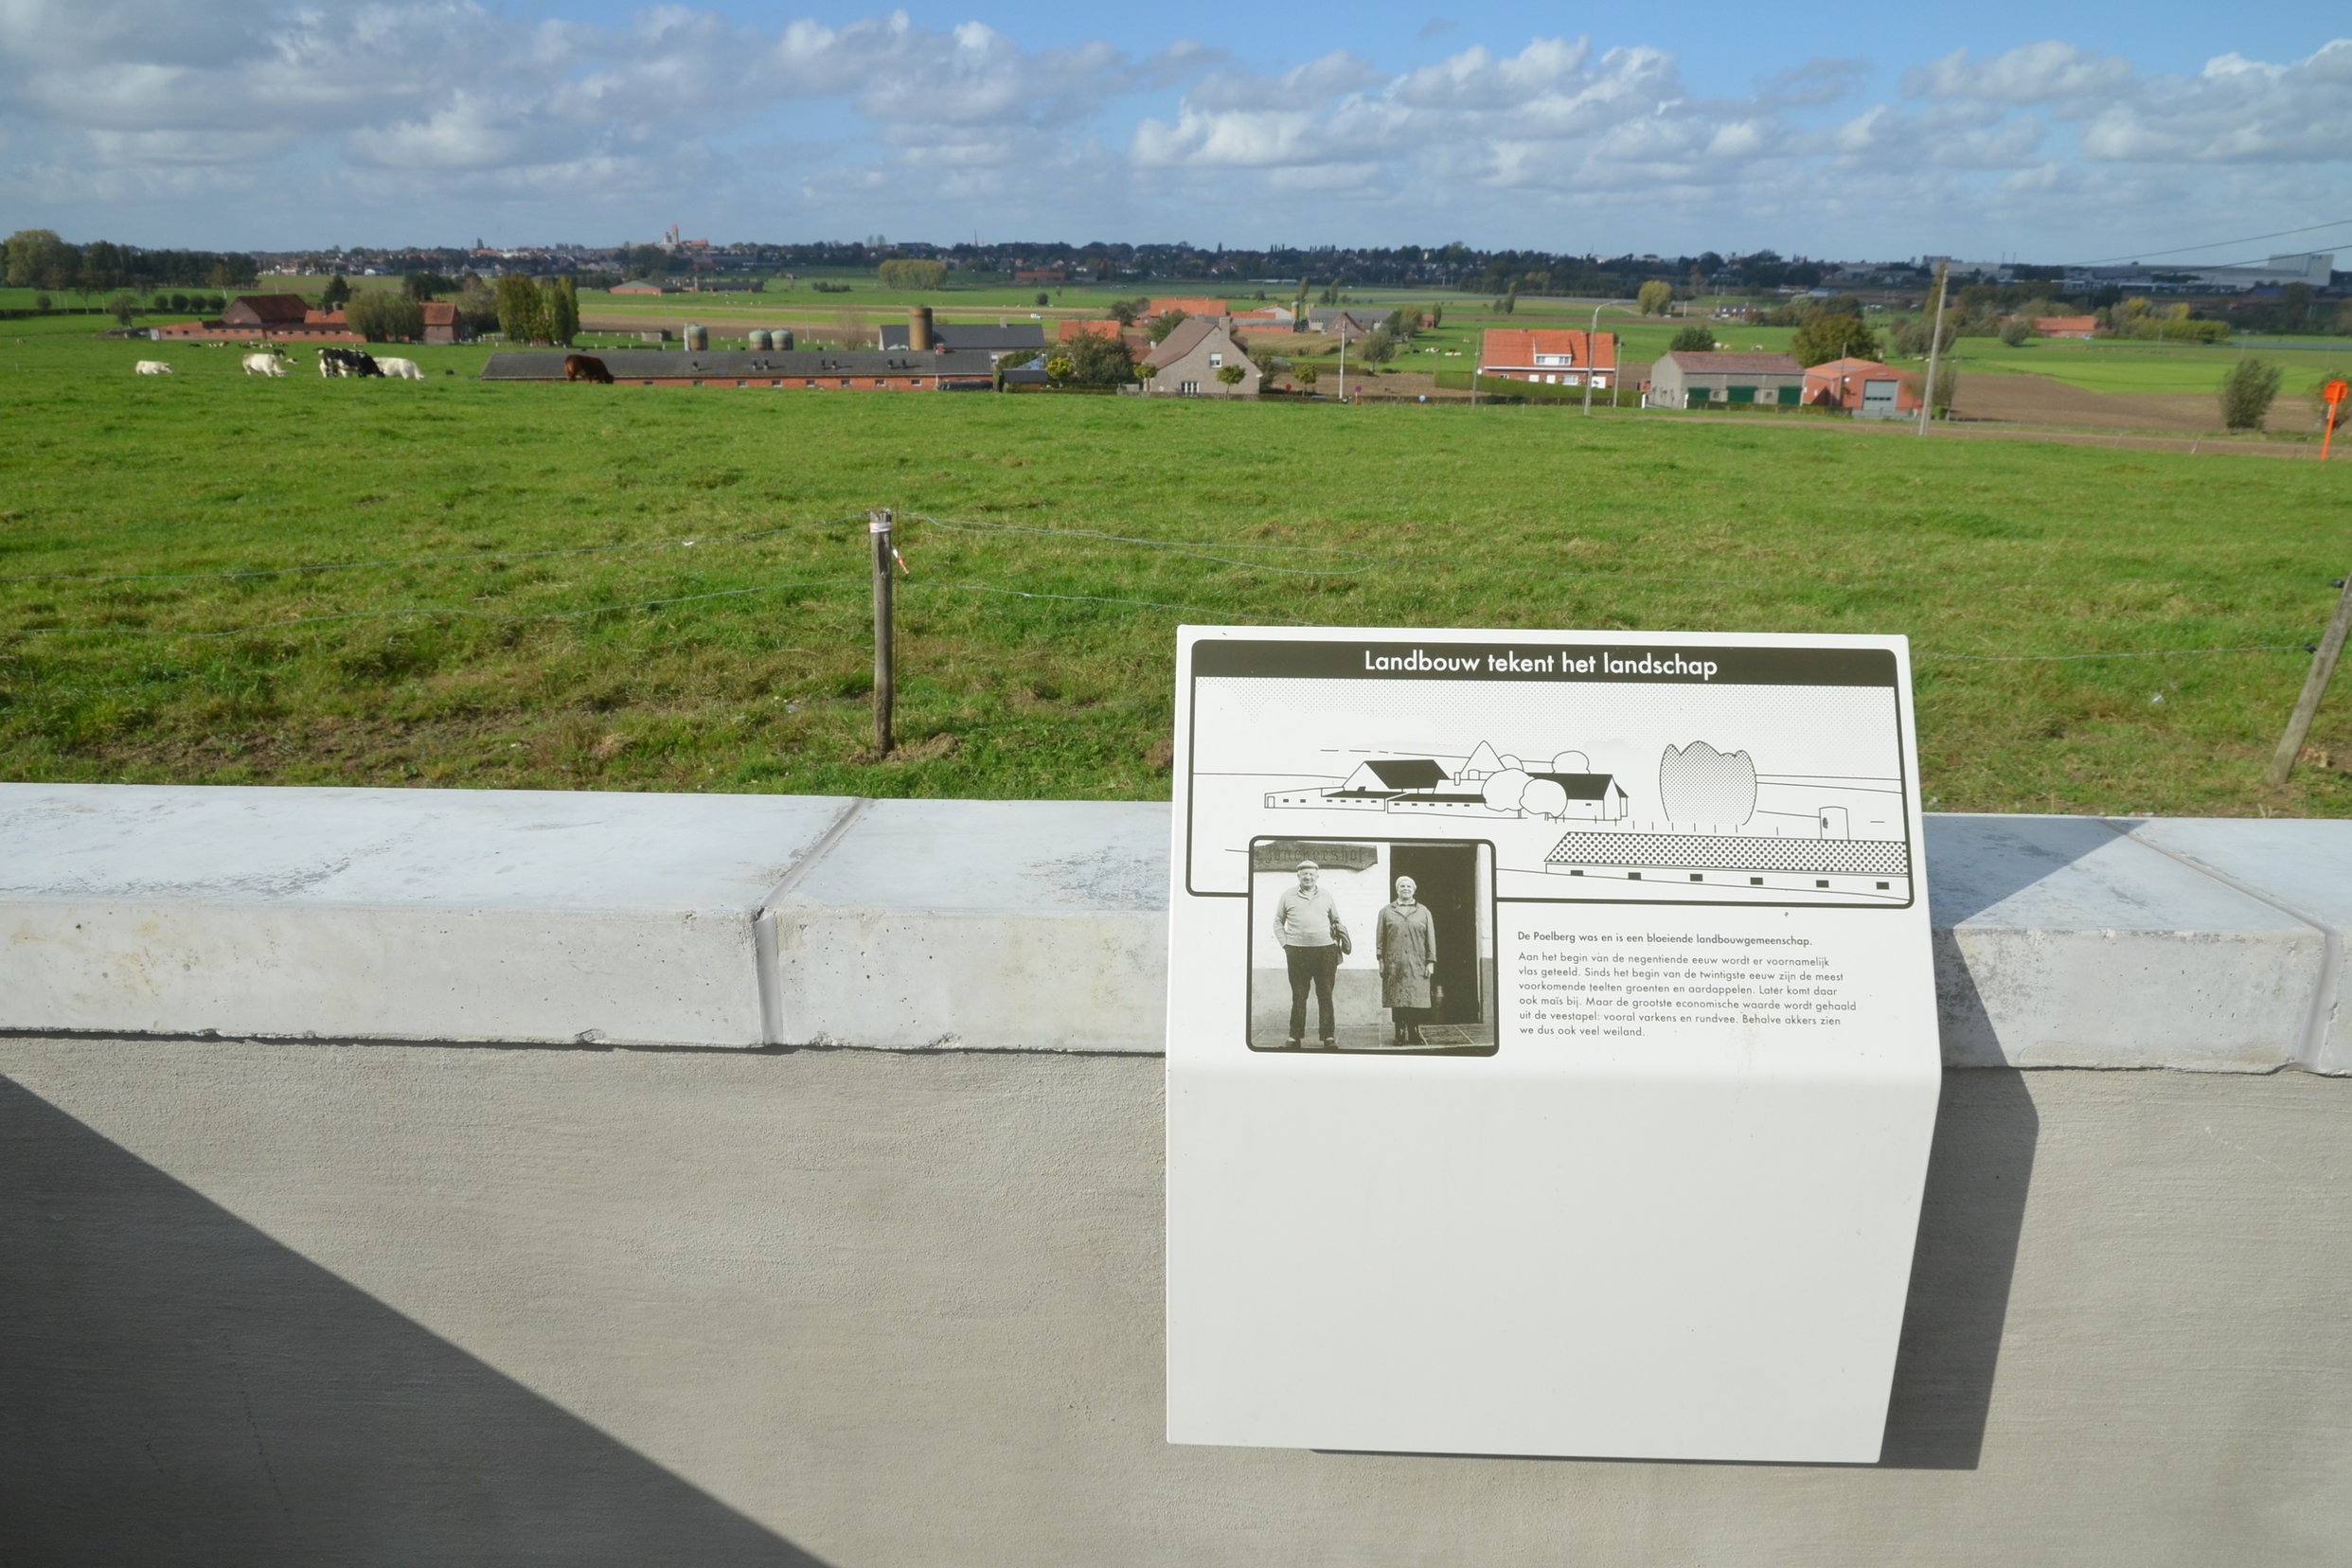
(537, 312)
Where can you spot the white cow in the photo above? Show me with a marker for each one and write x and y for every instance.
(265, 364)
(153, 368)
(399, 369)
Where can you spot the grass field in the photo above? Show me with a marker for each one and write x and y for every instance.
(2109, 364)
(212, 577)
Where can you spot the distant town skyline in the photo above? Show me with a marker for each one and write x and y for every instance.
(2058, 137)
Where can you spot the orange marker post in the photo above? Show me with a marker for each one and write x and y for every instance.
(2333, 392)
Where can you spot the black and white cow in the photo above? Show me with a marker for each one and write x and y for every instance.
(347, 362)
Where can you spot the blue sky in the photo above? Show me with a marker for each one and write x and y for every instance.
(1995, 129)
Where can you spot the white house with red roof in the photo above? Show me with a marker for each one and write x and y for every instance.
(1559, 356)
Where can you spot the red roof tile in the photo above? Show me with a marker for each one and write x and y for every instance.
(1516, 347)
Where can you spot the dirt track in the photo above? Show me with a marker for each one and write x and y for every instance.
(2037, 399)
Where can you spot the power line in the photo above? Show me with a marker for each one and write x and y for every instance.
(2242, 239)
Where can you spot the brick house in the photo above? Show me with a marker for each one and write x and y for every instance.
(265, 312)
(1863, 388)
(442, 322)
(282, 317)
(1556, 357)
(1184, 364)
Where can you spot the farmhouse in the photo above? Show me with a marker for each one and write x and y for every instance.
(1347, 323)
(1865, 388)
(442, 322)
(2066, 327)
(278, 315)
(1563, 357)
(277, 310)
(1682, 379)
(800, 370)
(1184, 364)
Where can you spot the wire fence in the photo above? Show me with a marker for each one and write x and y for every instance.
(1346, 560)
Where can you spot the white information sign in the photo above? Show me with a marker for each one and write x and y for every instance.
(1552, 1055)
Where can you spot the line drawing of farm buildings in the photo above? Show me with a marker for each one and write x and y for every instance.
(1714, 825)
(1487, 784)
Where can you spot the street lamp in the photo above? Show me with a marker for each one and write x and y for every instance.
(1589, 354)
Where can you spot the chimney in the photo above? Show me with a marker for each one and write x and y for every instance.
(918, 326)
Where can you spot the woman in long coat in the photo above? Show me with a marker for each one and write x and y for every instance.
(1405, 943)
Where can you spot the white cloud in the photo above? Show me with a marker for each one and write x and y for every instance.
(415, 117)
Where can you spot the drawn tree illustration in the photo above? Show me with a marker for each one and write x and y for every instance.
(1699, 784)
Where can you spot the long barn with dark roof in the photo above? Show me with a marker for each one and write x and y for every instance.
(790, 369)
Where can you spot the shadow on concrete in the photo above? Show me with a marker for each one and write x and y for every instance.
(1979, 1168)
(177, 1388)
(1981, 861)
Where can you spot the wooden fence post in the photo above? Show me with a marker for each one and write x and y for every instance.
(2314, 687)
(878, 530)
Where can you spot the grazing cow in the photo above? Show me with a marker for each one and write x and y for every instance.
(399, 369)
(158, 367)
(347, 362)
(265, 364)
(586, 367)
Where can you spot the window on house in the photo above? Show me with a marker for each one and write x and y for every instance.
(1556, 359)
(1216, 361)
(845, 381)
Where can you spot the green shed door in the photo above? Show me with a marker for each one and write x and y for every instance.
(1790, 396)
(1743, 394)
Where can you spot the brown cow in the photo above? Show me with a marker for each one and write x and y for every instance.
(586, 367)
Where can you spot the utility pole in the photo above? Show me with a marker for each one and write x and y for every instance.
(878, 530)
(1935, 344)
(1592, 354)
(1343, 337)
(2314, 687)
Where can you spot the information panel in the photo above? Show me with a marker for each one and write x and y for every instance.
(1551, 1057)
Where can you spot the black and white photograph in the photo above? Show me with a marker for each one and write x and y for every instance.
(1372, 946)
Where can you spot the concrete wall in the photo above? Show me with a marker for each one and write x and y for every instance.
(740, 1301)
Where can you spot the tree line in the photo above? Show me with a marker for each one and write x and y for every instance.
(38, 258)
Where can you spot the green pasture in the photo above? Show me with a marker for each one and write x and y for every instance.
(217, 577)
(2127, 365)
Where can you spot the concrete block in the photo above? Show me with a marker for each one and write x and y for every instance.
(2301, 867)
(1010, 925)
(2062, 942)
(392, 914)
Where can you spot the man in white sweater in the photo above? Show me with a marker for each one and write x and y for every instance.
(1307, 924)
